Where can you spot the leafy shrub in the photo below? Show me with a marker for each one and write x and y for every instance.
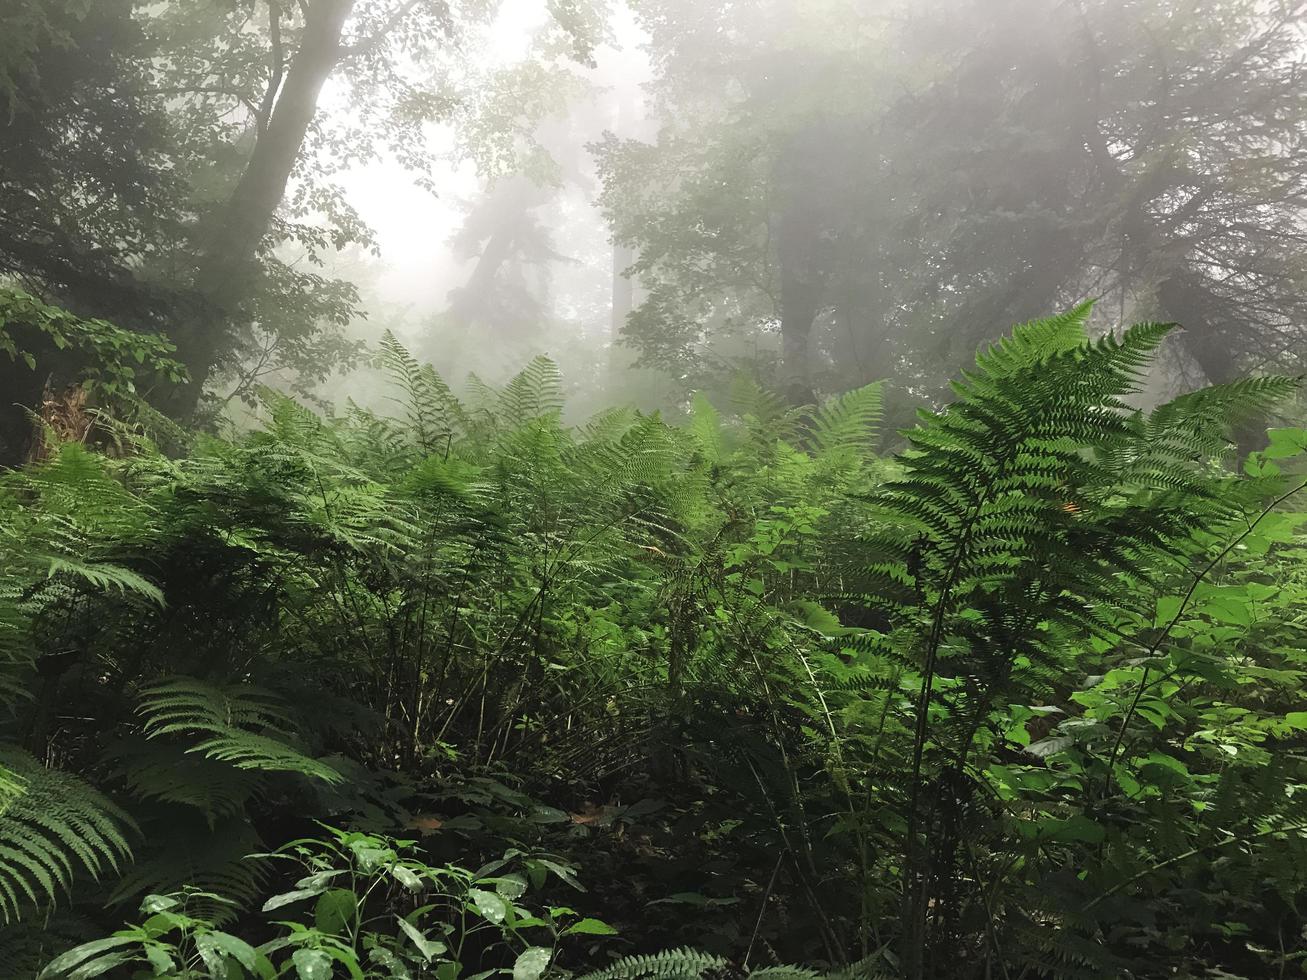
(1024, 698)
(365, 904)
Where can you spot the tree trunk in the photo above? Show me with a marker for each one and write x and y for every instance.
(246, 218)
(800, 299)
(802, 192)
(468, 301)
(1182, 300)
(623, 300)
(227, 263)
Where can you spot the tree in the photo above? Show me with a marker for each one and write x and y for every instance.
(880, 186)
(87, 197)
(227, 198)
(735, 209)
(1170, 172)
(272, 77)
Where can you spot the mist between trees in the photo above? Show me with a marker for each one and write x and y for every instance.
(556, 490)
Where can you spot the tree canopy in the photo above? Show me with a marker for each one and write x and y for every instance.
(881, 185)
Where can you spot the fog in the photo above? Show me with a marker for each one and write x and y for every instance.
(653, 489)
(658, 71)
(660, 196)
(428, 240)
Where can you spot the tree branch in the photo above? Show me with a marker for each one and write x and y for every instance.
(373, 40)
(278, 67)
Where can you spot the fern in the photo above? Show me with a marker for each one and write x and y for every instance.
(26, 946)
(690, 964)
(238, 725)
(51, 825)
(435, 415)
(670, 964)
(766, 415)
(706, 428)
(166, 771)
(103, 575)
(211, 858)
(846, 424)
(536, 391)
(1020, 510)
(1200, 421)
(1035, 342)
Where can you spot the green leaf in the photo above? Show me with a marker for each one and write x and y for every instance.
(160, 960)
(511, 886)
(101, 966)
(66, 962)
(215, 960)
(347, 959)
(243, 953)
(334, 909)
(565, 872)
(1074, 828)
(1167, 607)
(1285, 443)
(407, 878)
(287, 898)
(590, 927)
(547, 814)
(151, 904)
(1166, 762)
(1226, 609)
(429, 948)
(1050, 746)
(532, 963)
(489, 905)
(311, 964)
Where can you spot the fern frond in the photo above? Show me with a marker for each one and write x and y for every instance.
(784, 973)
(168, 772)
(706, 428)
(670, 964)
(846, 424)
(434, 413)
(187, 852)
(536, 391)
(1036, 341)
(766, 415)
(863, 969)
(106, 576)
(1199, 422)
(237, 724)
(51, 825)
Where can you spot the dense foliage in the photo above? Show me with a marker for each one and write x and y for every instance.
(466, 690)
(167, 166)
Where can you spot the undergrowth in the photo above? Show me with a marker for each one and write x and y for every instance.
(462, 689)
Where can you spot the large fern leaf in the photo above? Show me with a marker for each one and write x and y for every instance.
(236, 724)
(536, 391)
(187, 852)
(163, 769)
(846, 424)
(52, 825)
(434, 413)
(670, 964)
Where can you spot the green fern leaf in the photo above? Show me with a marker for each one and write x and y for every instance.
(52, 825)
(236, 724)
